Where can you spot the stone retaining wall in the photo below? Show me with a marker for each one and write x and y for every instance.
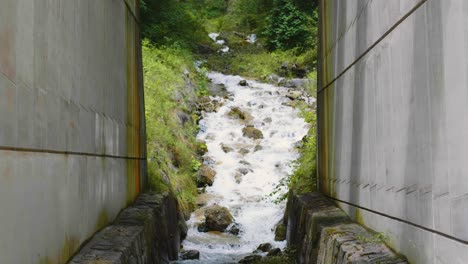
(150, 231)
(323, 233)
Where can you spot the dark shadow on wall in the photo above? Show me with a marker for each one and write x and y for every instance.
(339, 94)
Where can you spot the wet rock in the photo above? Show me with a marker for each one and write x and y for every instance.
(244, 171)
(294, 95)
(274, 252)
(267, 120)
(258, 148)
(244, 162)
(202, 228)
(209, 160)
(252, 132)
(238, 177)
(250, 259)
(205, 176)
(280, 232)
(226, 148)
(238, 113)
(244, 151)
(243, 83)
(190, 254)
(217, 89)
(217, 218)
(265, 247)
(206, 104)
(298, 83)
(234, 229)
(273, 78)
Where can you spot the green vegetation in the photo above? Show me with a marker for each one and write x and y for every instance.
(168, 22)
(287, 27)
(304, 178)
(172, 146)
(176, 32)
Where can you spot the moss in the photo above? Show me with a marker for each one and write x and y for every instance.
(102, 220)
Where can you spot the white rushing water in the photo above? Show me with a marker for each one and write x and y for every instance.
(247, 200)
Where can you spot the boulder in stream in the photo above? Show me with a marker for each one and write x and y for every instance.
(244, 151)
(226, 148)
(205, 176)
(217, 218)
(243, 83)
(238, 113)
(265, 247)
(252, 132)
(234, 229)
(190, 255)
(294, 95)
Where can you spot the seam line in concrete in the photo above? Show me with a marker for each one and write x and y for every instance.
(402, 221)
(390, 30)
(129, 8)
(49, 151)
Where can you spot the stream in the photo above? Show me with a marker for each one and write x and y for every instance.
(246, 175)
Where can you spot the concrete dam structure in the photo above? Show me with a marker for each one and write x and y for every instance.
(392, 105)
(72, 138)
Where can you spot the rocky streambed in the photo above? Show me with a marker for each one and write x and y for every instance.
(251, 130)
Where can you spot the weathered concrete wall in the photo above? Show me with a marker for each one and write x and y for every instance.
(393, 130)
(72, 148)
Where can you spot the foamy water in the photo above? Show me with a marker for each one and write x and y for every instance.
(247, 200)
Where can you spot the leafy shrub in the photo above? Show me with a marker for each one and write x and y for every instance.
(287, 27)
(165, 22)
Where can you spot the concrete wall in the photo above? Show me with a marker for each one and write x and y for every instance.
(393, 120)
(72, 139)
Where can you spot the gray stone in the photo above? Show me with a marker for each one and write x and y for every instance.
(205, 176)
(217, 218)
(265, 247)
(244, 151)
(252, 132)
(234, 229)
(243, 83)
(190, 255)
(226, 148)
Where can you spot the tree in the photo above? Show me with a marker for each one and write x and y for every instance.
(287, 27)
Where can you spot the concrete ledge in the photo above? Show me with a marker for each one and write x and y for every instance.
(150, 231)
(323, 233)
